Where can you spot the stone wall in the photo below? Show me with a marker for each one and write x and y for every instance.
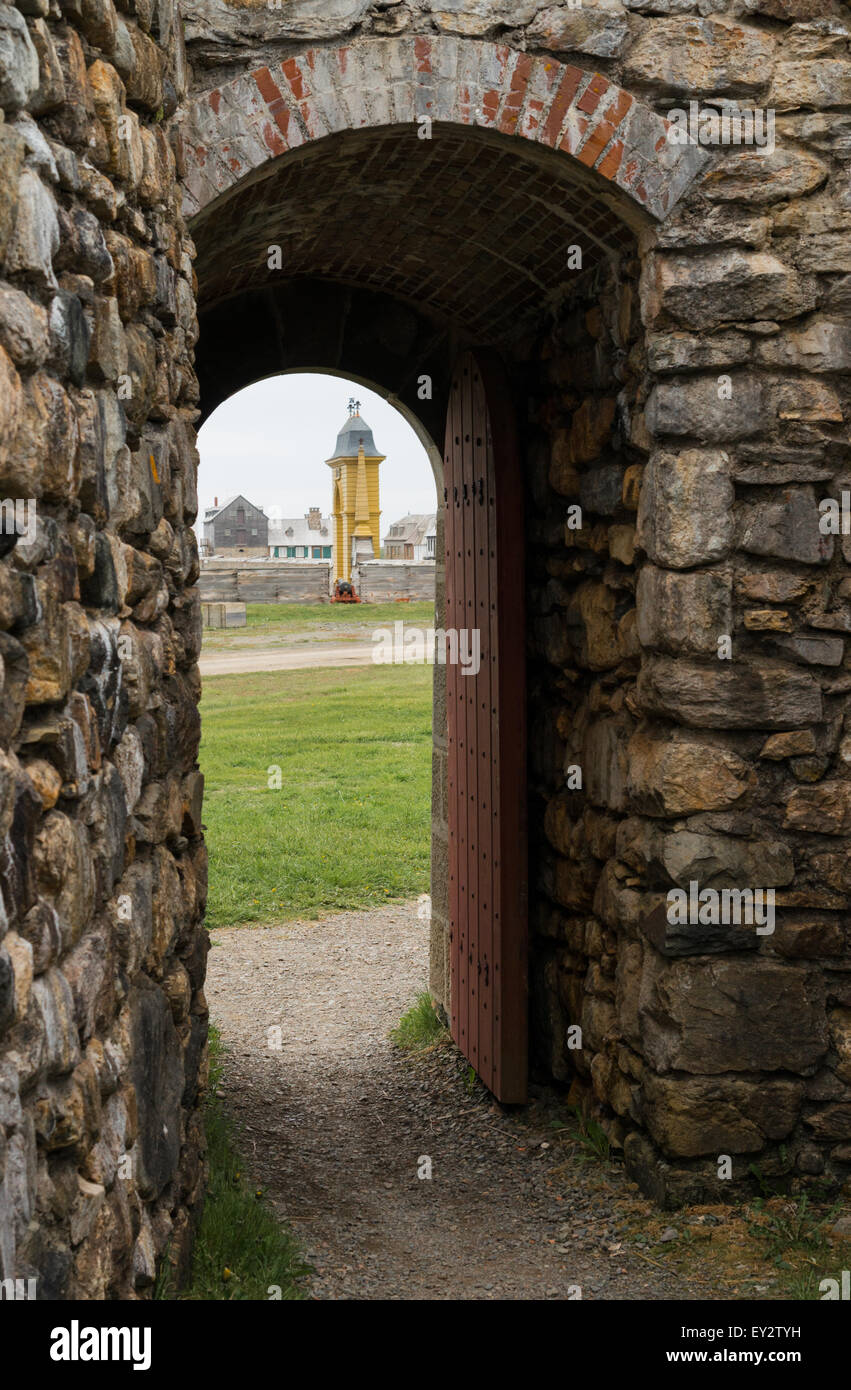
(690, 660)
(102, 1011)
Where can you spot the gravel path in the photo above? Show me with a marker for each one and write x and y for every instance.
(218, 663)
(337, 1120)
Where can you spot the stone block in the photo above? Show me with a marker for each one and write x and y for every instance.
(712, 409)
(824, 810)
(785, 528)
(678, 940)
(725, 287)
(34, 239)
(703, 1115)
(684, 612)
(157, 1072)
(695, 57)
(680, 776)
(729, 696)
(18, 60)
(602, 31)
(758, 177)
(685, 511)
(51, 85)
(23, 329)
(822, 83)
(727, 1015)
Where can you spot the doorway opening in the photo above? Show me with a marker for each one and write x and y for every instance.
(385, 257)
(316, 752)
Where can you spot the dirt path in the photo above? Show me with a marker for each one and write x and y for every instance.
(219, 663)
(337, 1121)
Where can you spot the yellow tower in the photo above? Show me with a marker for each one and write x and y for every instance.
(354, 508)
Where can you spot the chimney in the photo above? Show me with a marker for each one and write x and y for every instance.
(215, 501)
(314, 519)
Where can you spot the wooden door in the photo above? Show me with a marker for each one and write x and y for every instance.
(486, 718)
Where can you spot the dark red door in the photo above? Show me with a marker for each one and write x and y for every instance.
(487, 728)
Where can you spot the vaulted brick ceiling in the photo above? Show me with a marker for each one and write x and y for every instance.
(471, 228)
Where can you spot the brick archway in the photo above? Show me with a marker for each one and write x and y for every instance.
(396, 253)
(240, 128)
(401, 240)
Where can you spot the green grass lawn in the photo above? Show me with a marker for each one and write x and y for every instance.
(349, 826)
(286, 624)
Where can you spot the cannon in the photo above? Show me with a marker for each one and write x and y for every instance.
(344, 592)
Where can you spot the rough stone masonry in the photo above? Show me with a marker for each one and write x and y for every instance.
(690, 395)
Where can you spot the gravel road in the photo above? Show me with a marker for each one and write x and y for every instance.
(337, 1121)
(281, 659)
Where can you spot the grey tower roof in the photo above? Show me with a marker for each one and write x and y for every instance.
(349, 439)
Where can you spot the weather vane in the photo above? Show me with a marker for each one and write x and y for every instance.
(354, 406)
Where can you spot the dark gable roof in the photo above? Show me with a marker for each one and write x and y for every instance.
(355, 431)
(237, 497)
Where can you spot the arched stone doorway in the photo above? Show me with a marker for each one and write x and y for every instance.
(423, 196)
(487, 200)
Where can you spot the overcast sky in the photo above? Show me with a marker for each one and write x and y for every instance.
(270, 442)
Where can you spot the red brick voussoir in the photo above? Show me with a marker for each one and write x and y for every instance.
(228, 133)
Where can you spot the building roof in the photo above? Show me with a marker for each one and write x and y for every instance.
(237, 497)
(355, 432)
(297, 531)
(411, 529)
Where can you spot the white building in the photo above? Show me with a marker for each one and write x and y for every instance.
(306, 537)
(414, 537)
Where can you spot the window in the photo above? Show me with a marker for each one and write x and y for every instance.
(301, 552)
(430, 544)
(316, 552)
(254, 530)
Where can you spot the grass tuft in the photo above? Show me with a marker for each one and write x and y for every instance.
(593, 1141)
(791, 1228)
(420, 1027)
(242, 1251)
